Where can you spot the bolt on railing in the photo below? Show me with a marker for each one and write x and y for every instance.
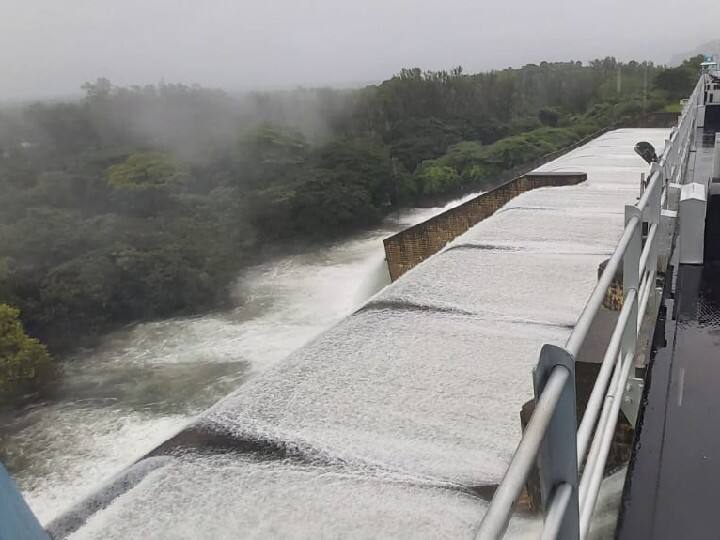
(552, 437)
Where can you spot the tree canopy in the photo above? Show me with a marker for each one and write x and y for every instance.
(144, 170)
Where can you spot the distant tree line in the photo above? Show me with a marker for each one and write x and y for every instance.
(143, 202)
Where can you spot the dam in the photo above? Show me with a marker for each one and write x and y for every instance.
(403, 420)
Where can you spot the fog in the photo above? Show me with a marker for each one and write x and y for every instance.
(49, 48)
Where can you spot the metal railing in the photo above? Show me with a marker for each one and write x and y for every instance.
(552, 438)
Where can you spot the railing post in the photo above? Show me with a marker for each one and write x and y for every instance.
(557, 460)
(631, 278)
(655, 214)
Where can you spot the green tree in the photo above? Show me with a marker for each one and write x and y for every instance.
(144, 183)
(549, 116)
(434, 178)
(364, 162)
(145, 170)
(328, 202)
(22, 358)
(270, 144)
(678, 82)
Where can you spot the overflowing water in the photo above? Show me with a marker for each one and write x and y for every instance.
(142, 384)
(409, 407)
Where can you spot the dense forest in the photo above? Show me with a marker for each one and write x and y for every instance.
(144, 202)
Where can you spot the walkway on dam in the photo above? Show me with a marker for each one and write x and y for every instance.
(399, 421)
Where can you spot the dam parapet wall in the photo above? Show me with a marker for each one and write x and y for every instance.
(408, 248)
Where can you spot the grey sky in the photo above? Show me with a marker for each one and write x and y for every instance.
(50, 47)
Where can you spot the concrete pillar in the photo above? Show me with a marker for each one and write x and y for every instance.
(693, 202)
(716, 158)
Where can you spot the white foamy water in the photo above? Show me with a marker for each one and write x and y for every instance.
(143, 384)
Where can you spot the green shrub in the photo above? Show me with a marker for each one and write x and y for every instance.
(434, 178)
(22, 359)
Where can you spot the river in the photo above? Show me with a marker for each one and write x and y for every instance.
(142, 384)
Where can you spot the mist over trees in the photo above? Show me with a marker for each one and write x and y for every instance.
(144, 202)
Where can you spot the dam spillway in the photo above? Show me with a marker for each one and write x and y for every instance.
(398, 421)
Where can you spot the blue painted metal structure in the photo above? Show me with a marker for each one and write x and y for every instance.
(17, 522)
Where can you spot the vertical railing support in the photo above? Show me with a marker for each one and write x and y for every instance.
(557, 460)
(631, 279)
(653, 217)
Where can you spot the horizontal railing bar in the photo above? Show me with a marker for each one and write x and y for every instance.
(587, 507)
(676, 150)
(556, 514)
(592, 409)
(644, 281)
(498, 516)
(577, 337)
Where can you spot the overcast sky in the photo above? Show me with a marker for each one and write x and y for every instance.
(50, 47)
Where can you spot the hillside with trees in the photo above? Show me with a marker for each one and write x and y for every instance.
(145, 202)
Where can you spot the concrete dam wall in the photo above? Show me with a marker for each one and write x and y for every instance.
(410, 247)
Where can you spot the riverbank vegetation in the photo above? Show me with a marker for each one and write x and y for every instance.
(23, 360)
(144, 202)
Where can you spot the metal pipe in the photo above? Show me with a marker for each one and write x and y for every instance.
(647, 287)
(496, 520)
(577, 337)
(647, 249)
(555, 515)
(596, 441)
(592, 410)
(644, 284)
(596, 475)
(644, 281)
(615, 388)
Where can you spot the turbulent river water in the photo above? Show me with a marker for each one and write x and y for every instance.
(142, 384)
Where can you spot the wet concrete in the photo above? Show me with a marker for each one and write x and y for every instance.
(204, 441)
(639, 496)
(677, 465)
(197, 441)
